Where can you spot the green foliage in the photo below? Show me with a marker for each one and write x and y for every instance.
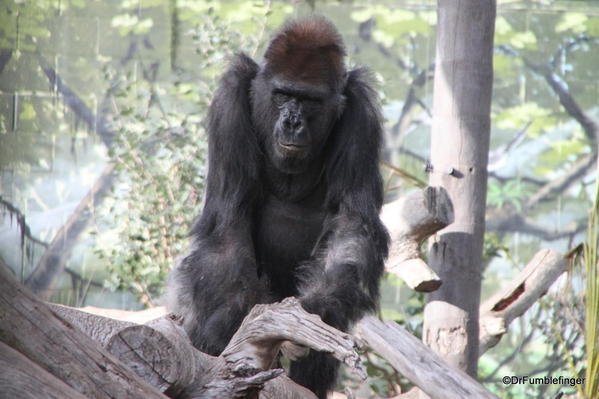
(395, 25)
(127, 24)
(512, 192)
(572, 21)
(520, 115)
(505, 34)
(591, 326)
(493, 247)
(160, 156)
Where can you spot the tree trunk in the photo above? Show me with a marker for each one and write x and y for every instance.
(459, 155)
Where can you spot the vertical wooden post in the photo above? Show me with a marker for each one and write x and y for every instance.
(459, 155)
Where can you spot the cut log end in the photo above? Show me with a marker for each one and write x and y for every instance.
(417, 275)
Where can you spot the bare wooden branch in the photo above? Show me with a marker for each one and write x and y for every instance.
(75, 103)
(99, 328)
(506, 221)
(279, 388)
(521, 293)
(573, 108)
(410, 220)
(408, 355)
(133, 316)
(54, 259)
(30, 327)
(257, 341)
(20, 219)
(161, 353)
(21, 378)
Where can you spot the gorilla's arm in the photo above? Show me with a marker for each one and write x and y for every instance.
(221, 267)
(344, 283)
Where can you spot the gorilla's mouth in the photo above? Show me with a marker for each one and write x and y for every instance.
(292, 147)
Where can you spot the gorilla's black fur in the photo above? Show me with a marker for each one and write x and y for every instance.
(293, 196)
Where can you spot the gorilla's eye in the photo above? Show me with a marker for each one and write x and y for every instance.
(280, 98)
(312, 104)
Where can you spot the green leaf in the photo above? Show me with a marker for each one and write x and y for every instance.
(383, 38)
(28, 112)
(362, 15)
(572, 21)
(522, 40)
(517, 117)
(503, 66)
(592, 25)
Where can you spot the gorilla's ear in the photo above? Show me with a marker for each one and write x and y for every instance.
(233, 164)
(354, 148)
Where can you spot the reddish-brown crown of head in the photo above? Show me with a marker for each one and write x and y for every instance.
(308, 50)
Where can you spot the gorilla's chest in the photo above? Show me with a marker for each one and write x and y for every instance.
(285, 236)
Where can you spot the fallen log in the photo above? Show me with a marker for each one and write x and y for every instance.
(161, 353)
(405, 353)
(21, 378)
(29, 327)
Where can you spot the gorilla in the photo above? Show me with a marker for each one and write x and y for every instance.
(293, 196)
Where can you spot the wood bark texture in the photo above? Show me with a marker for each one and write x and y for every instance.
(418, 363)
(31, 328)
(160, 352)
(518, 296)
(459, 157)
(410, 220)
(21, 378)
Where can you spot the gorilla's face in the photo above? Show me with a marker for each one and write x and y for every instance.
(293, 119)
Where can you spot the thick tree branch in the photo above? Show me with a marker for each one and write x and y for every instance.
(571, 106)
(559, 185)
(425, 369)
(22, 222)
(504, 221)
(77, 105)
(498, 155)
(54, 258)
(29, 327)
(521, 293)
(421, 77)
(410, 220)
(267, 324)
(21, 378)
(567, 47)
(164, 357)
(408, 355)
